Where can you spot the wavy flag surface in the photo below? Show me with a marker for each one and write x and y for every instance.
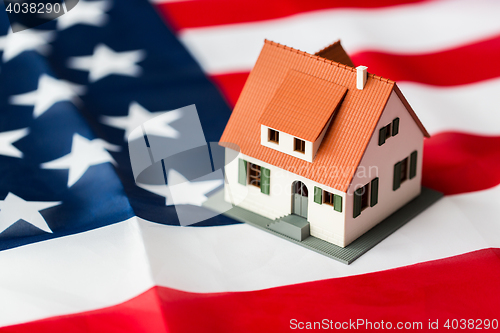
(86, 245)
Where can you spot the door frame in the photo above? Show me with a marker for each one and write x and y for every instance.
(304, 197)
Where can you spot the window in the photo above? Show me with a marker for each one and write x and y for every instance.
(405, 169)
(364, 196)
(413, 164)
(374, 192)
(254, 175)
(300, 188)
(382, 135)
(360, 200)
(273, 136)
(400, 173)
(299, 145)
(395, 126)
(242, 171)
(327, 198)
(387, 131)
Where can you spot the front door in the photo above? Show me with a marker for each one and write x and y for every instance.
(299, 199)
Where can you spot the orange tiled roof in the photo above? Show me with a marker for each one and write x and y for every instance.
(350, 131)
(302, 105)
(336, 53)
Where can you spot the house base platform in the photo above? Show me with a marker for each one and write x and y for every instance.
(348, 254)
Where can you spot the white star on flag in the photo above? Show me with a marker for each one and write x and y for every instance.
(49, 92)
(8, 138)
(183, 192)
(138, 115)
(14, 44)
(84, 153)
(104, 61)
(14, 208)
(85, 12)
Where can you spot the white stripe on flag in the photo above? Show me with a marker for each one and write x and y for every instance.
(416, 28)
(244, 258)
(71, 274)
(107, 266)
(471, 108)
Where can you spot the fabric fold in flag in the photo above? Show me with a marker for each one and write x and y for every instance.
(86, 248)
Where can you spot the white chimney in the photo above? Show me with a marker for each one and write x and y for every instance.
(361, 77)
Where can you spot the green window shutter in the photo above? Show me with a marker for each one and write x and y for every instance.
(413, 164)
(357, 202)
(265, 180)
(242, 172)
(381, 136)
(395, 126)
(318, 195)
(337, 203)
(374, 192)
(397, 176)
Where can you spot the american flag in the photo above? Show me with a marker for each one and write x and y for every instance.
(85, 249)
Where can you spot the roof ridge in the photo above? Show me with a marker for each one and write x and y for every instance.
(329, 47)
(331, 62)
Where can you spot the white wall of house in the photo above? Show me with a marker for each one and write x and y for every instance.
(396, 148)
(325, 222)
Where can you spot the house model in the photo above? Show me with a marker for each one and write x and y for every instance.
(324, 149)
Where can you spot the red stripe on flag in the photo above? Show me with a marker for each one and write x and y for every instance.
(194, 14)
(447, 68)
(231, 85)
(458, 162)
(459, 287)
(141, 314)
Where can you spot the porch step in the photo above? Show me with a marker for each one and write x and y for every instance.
(293, 226)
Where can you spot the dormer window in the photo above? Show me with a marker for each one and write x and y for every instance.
(273, 136)
(302, 107)
(299, 145)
